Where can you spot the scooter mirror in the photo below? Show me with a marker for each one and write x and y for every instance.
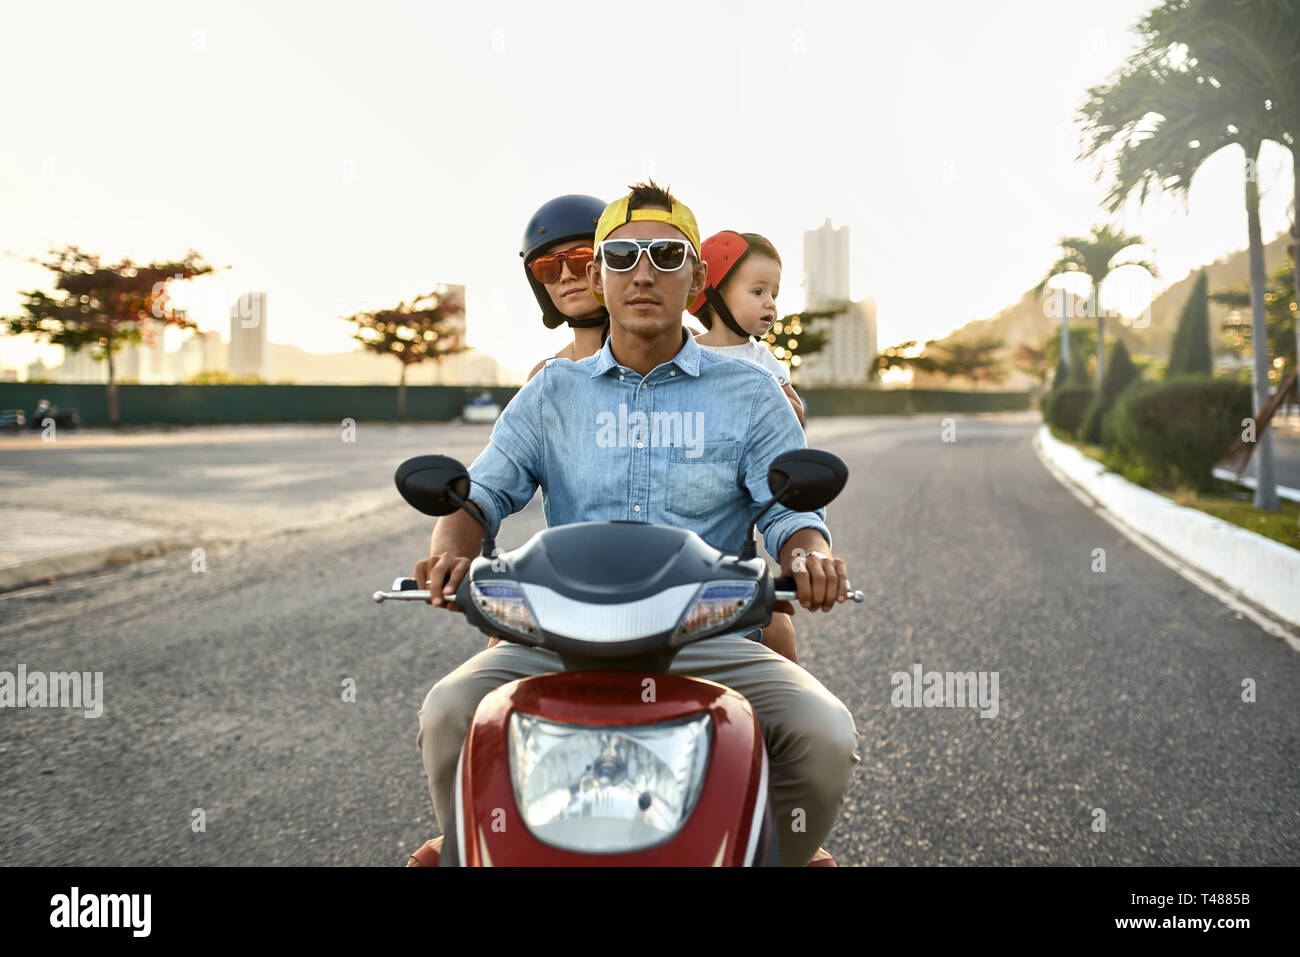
(433, 483)
(805, 480)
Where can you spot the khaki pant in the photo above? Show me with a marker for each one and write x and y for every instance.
(811, 739)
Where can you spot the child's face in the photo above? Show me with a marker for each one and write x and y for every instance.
(570, 293)
(750, 292)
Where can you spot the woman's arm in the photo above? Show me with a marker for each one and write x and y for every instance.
(795, 401)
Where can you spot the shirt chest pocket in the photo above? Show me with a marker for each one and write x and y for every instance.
(702, 478)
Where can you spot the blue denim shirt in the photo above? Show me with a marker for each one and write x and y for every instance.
(687, 445)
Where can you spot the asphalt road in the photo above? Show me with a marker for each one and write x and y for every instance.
(1119, 690)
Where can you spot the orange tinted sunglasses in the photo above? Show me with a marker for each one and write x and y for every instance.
(546, 269)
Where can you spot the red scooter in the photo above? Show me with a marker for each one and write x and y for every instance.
(613, 761)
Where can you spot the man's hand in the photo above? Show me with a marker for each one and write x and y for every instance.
(821, 580)
(441, 574)
(452, 547)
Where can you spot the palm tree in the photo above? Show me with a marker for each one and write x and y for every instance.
(1263, 37)
(1096, 257)
(1157, 121)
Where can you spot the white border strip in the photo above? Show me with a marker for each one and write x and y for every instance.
(460, 811)
(1253, 575)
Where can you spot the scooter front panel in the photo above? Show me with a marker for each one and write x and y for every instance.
(717, 830)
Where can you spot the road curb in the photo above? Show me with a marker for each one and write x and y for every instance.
(1252, 568)
(42, 571)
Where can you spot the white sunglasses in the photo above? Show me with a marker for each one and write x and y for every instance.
(622, 255)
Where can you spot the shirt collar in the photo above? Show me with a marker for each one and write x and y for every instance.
(687, 360)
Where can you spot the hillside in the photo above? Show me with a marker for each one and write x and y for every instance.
(1025, 322)
(362, 367)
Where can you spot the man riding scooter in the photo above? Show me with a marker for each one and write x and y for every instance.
(560, 432)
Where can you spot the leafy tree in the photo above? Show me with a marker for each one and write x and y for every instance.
(1031, 359)
(976, 361)
(905, 356)
(1280, 318)
(792, 338)
(428, 327)
(1178, 101)
(1190, 353)
(103, 306)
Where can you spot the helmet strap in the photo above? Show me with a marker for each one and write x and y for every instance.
(589, 323)
(714, 299)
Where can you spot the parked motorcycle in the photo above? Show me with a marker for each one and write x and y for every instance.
(62, 420)
(583, 767)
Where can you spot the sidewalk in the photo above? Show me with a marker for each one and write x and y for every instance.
(107, 497)
(40, 544)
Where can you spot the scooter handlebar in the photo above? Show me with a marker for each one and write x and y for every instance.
(404, 589)
(786, 590)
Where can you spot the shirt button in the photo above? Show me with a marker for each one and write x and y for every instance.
(643, 385)
(672, 373)
(636, 508)
(640, 445)
(620, 378)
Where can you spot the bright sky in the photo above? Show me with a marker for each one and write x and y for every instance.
(343, 158)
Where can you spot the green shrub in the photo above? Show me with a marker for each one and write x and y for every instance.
(1108, 428)
(1190, 352)
(1061, 376)
(1064, 408)
(1120, 374)
(1174, 431)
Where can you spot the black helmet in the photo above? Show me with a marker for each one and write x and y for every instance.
(564, 218)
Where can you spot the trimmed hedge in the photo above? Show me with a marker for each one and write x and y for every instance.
(1065, 408)
(1174, 431)
(1120, 374)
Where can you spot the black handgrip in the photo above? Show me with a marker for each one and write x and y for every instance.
(784, 584)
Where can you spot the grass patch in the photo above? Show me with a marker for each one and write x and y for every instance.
(1226, 501)
(1281, 526)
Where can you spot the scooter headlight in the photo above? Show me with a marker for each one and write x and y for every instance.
(607, 789)
(502, 603)
(718, 604)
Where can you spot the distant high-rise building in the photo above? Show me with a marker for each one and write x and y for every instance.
(80, 366)
(153, 353)
(249, 351)
(127, 363)
(850, 349)
(826, 265)
(144, 362)
(202, 352)
(851, 336)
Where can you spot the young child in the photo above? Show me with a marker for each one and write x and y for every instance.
(744, 280)
(738, 307)
(556, 249)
